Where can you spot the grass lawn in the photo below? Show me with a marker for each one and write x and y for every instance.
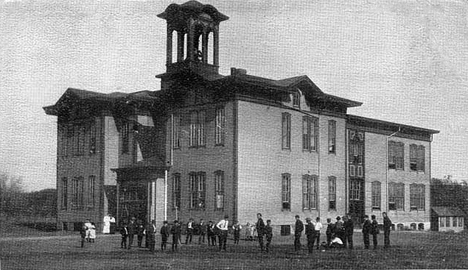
(416, 250)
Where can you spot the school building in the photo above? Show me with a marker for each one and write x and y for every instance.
(207, 145)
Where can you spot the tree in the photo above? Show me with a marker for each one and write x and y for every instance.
(11, 194)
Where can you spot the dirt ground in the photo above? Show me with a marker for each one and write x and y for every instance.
(410, 250)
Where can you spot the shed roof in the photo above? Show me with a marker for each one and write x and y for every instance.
(443, 211)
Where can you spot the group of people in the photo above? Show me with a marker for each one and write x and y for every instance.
(339, 234)
(88, 232)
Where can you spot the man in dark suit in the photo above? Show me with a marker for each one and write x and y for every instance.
(299, 227)
(260, 226)
(132, 230)
(310, 233)
(348, 231)
(150, 235)
(202, 230)
(175, 230)
(387, 225)
(366, 228)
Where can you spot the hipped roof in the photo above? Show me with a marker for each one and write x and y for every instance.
(443, 211)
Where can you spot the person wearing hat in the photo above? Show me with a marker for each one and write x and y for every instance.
(339, 228)
(299, 227)
(175, 230)
(366, 229)
(132, 230)
(310, 233)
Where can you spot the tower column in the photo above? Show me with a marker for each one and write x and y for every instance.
(190, 40)
(169, 46)
(205, 46)
(216, 45)
(180, 46)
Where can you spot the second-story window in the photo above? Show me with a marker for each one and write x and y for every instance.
(197, 128)
(332, 136)
(176, 130)
(417, 158)
(125, 137)
(286, 130)
(309, 133)
(396, 155)
(220, 128)
(92, 138)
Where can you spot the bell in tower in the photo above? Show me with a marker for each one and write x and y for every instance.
(194, 26)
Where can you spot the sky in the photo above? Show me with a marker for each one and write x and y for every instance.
(407, 61)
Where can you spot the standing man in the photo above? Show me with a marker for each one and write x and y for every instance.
(202, 231)
(211, 233)
(150, 235)
(366, 227)
(188, 237)
(164, 234)
(349, 230)
(140, 232)
(374, 230)
(269, 235)
(299, 227)
(330, 230)
(310, 233)
(260, 226)
(387, 225)
(132, 230)
(175, 230)
(318, 227)
(223, 231)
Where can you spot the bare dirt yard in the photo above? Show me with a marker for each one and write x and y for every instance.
(410, 250)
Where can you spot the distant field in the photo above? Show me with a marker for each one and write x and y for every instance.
(410, 250)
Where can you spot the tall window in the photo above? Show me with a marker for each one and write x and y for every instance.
(64, 193)
(92, 138)
(219, 190)
(176, 191)
(417, 197)
(296, 99)
(332, 136)
(220, 130)
(332, 193)
(396, 196)
(376, 195)
(176, 129)
(309, 192)
(77, 193)
(91, 191)
(355, 190)
(286, 130)
(286, 191)
(125, 137)
(309, 133)
(417, 158)
(396, 154)
(197, 128)
(79, 139)
(197, 190)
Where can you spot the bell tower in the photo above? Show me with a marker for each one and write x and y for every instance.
(192, 42)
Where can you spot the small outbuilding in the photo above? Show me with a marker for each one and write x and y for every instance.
(445, 219)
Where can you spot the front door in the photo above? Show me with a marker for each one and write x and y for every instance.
(356, 201)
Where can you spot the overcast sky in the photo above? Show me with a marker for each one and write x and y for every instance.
(407, 61)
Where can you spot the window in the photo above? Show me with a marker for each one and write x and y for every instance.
(332, 136)
(197, 128)
(286, 191)
(376, 195)
(79, 139)
(417, 158)
(332, 193)
(352, 170)
(77, 193)
(176, 130)
(355, 190)
(309, 192)
(286, 131)
(296, 99)
(454, 220)
(64, 193)
(91, 191)
(92, 138)
(396, 196)
(197, 190)
(309, 133)
(447, 222)
(442, 222)
(176, 191)
(460, 221)
(125, 137)
(417, 197)
(220, 130)
(396, 155)
(219, 190)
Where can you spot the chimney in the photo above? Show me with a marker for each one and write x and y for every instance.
(238, 71)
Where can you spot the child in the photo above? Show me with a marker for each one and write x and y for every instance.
(268, 234)
(164, 235)
(236, 228)
(83, 234)
(92, 232)
(124, 234)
